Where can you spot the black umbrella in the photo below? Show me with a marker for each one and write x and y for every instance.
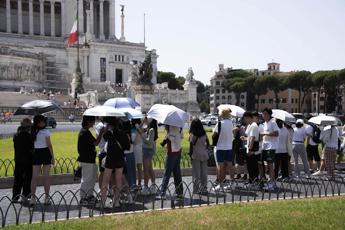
(37, 107)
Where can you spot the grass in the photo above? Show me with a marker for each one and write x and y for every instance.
(322, 213)
(65, 145)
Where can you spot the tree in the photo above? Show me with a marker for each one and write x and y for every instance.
(260, 88)
(274, 83)
(318, 79)
(300, 81)
(173, 82)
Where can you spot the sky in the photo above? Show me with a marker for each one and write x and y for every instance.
(298, 34)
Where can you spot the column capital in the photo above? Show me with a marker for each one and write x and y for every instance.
(41, 1)
(52, 2)
(101, 1)
(31, 1)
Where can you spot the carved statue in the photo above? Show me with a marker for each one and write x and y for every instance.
(73, 85)
(190, 74)
(145, 71)
(134, 73)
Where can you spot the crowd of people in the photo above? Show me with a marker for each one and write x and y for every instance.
(255, 150)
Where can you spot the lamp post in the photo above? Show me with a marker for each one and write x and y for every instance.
(78, 74)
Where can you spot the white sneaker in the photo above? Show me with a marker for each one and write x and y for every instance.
(318, 173)
(217, 188)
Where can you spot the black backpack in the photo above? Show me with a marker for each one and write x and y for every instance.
(316, 134)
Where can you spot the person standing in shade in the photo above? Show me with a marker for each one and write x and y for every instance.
(313, 141)
(102, 153)
(298, 148)
(224, 154)
(43, 156)
(149, 149)
(252, 138)
(282, 155)
(129, 154)
(172, 164)
(330, 138)
(199, 144)
(269, 144)
(87, 159)
(23, 150)
(138, 148)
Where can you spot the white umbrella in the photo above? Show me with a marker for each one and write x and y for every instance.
(122, 102)
(168, 115)
(236, 111)
(37, 107)
(132, 113)
(323, 120)
(283, 115)
(103, 111)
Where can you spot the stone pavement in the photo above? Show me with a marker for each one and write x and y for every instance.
(66, 198)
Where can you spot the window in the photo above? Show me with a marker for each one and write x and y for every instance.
(314, 94)
(103, 69)
(284, 100)
(270, 101)
(217, 82)
(322, 98)
(223, 90)
(296, 100)
(229, 98)
(263, 101)
(242, 96)
(217, 91)
(322, 107)
(118, 79)
(223, 97)
(217, 97)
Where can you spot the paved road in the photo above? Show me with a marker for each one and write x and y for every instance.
(66, 199)
(10, 128)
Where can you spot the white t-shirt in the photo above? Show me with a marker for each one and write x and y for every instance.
(40, 142)
(283, 141)
(101, 145)
(225, 136)
(175, 135)
(270, 142)
(299, 134)
(261, 129)
(309, 130)
(330, 138)
(252, 131)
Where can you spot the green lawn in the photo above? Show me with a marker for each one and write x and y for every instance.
(322, 213)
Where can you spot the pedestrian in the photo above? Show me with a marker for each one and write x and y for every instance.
(138, 148)
(129, 154)
(117, 143)
(23, 150)
(269, 144)
(313, 140)
(43, 157)
(87, 159)
(149, 137)
(240, 152)
(223, 132)
(298, 147)
(252, 147)
(102, 151)
(330, 137)
(173, 141)
(199, 145)
(282, 153)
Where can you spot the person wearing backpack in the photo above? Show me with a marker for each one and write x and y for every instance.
(199, 144)
(313, 140)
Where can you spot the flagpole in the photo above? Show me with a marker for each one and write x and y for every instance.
(79, 76)
(78, 70)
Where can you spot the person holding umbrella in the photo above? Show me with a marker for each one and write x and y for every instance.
(23, 150)
(43, 156)
(87, 159)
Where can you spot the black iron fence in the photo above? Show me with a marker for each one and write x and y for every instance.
(67, 205)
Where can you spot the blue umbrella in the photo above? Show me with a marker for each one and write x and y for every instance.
(122, 102)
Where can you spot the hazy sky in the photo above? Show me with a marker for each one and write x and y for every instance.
(299, 34)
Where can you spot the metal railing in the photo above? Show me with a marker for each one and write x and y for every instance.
(66, 204)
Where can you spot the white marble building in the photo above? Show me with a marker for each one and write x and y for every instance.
(33, 36)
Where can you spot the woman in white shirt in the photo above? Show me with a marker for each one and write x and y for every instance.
(298, 147)
(282, 156)
(43, 156)
(330, 137)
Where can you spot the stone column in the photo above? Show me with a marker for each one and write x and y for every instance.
(81, 17)
(112, 19)
(42, 17)
(92, 29)
(20, 17)
(88, 25)
(8, 16)
(122, 38)
(31, 18)
(52, 18)
(63, 19)
(101, 20)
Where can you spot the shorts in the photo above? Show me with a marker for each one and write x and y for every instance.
(268, 155)
(101, 156)
(224, 155)
(42, 157)
(148, 153)
(313, 153)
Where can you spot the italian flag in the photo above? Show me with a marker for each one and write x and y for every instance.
(73, 35)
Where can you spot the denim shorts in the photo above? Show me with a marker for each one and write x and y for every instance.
(148, 153)
(224, 155)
